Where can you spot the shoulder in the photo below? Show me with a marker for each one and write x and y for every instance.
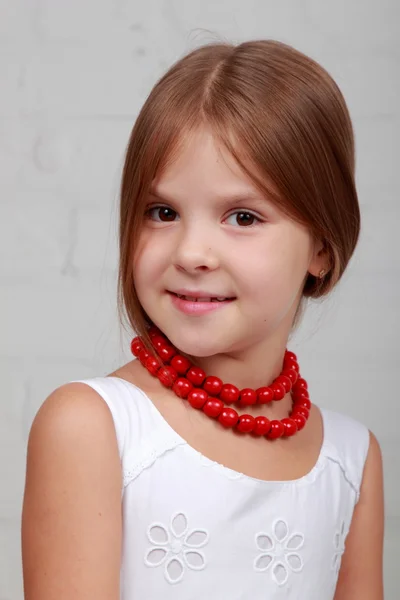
(373, 471)
(371, 503)
(361, 573)
(347, 442)
(374, 453)
(98, 417)
(73, 427)
(70, 406)
(141, 431)
(112, 402)
(72, 417)
(72, 495)
(347, 434)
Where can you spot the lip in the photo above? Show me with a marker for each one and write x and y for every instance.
(198, 293)
(189, 307)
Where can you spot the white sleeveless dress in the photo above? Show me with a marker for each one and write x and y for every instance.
(195, 529)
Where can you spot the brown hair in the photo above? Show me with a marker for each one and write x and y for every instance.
(284, 120)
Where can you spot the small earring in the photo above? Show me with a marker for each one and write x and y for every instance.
(321, 273)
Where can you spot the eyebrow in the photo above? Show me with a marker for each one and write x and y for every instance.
(234, 199)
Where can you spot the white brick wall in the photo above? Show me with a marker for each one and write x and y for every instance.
(73, 76)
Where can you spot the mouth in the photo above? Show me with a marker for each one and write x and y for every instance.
(202, 298)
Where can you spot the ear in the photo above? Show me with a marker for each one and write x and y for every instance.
(319, 264)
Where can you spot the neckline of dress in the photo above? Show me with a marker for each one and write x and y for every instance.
(232, 473)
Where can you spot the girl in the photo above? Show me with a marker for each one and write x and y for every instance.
(202, 470)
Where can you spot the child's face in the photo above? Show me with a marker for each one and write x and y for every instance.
(201, 244)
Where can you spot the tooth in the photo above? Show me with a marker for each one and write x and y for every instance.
(192, 299)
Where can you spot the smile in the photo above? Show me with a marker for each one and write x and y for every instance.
(206, 299)
(198, 305)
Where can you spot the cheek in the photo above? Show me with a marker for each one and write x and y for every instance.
(149, 259)
(143, 270)
(276, 270)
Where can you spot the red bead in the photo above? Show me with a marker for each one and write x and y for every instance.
(212, 385)
(162, 350)
(182, 387)
(300, 420)
(285, 381)
(279, 391)
(264, 395)
(229, 393)
(248, 397)
(290, 426)
(196, 376)
(245, 424)
(292, 374)
(143, 356)
(166, 353)
(300, 394)
(181, 364)
(290, 356)
(228, 417)
(152, 365)
(158, 341)
(136, 346)
(153, 331)
(304, 402)
(277, 430)
(197, 398)
(262, 425)
(291, 365)
(301, 384)
(213, 407)
(167, 376)
(300, 410)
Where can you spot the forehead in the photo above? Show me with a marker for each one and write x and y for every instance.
(201, 163)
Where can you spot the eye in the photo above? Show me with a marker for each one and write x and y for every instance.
(244, 218)
(162, 214)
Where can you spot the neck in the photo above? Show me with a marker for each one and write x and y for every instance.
(252, 368)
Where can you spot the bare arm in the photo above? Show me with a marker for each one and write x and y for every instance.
(361, 570)
(71, 519)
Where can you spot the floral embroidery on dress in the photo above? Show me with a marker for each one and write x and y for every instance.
(338, 542)
(278, 552)
(176, 547)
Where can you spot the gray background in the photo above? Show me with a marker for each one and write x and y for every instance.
(73, 77)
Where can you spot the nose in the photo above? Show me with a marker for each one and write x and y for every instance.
(195, 252)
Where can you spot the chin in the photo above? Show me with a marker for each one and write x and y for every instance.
(199, 348)
(196, 345)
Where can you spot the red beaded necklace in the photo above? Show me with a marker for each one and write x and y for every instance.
(211, 395)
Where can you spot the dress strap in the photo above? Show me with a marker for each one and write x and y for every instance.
(346, 443)
(143, 435)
